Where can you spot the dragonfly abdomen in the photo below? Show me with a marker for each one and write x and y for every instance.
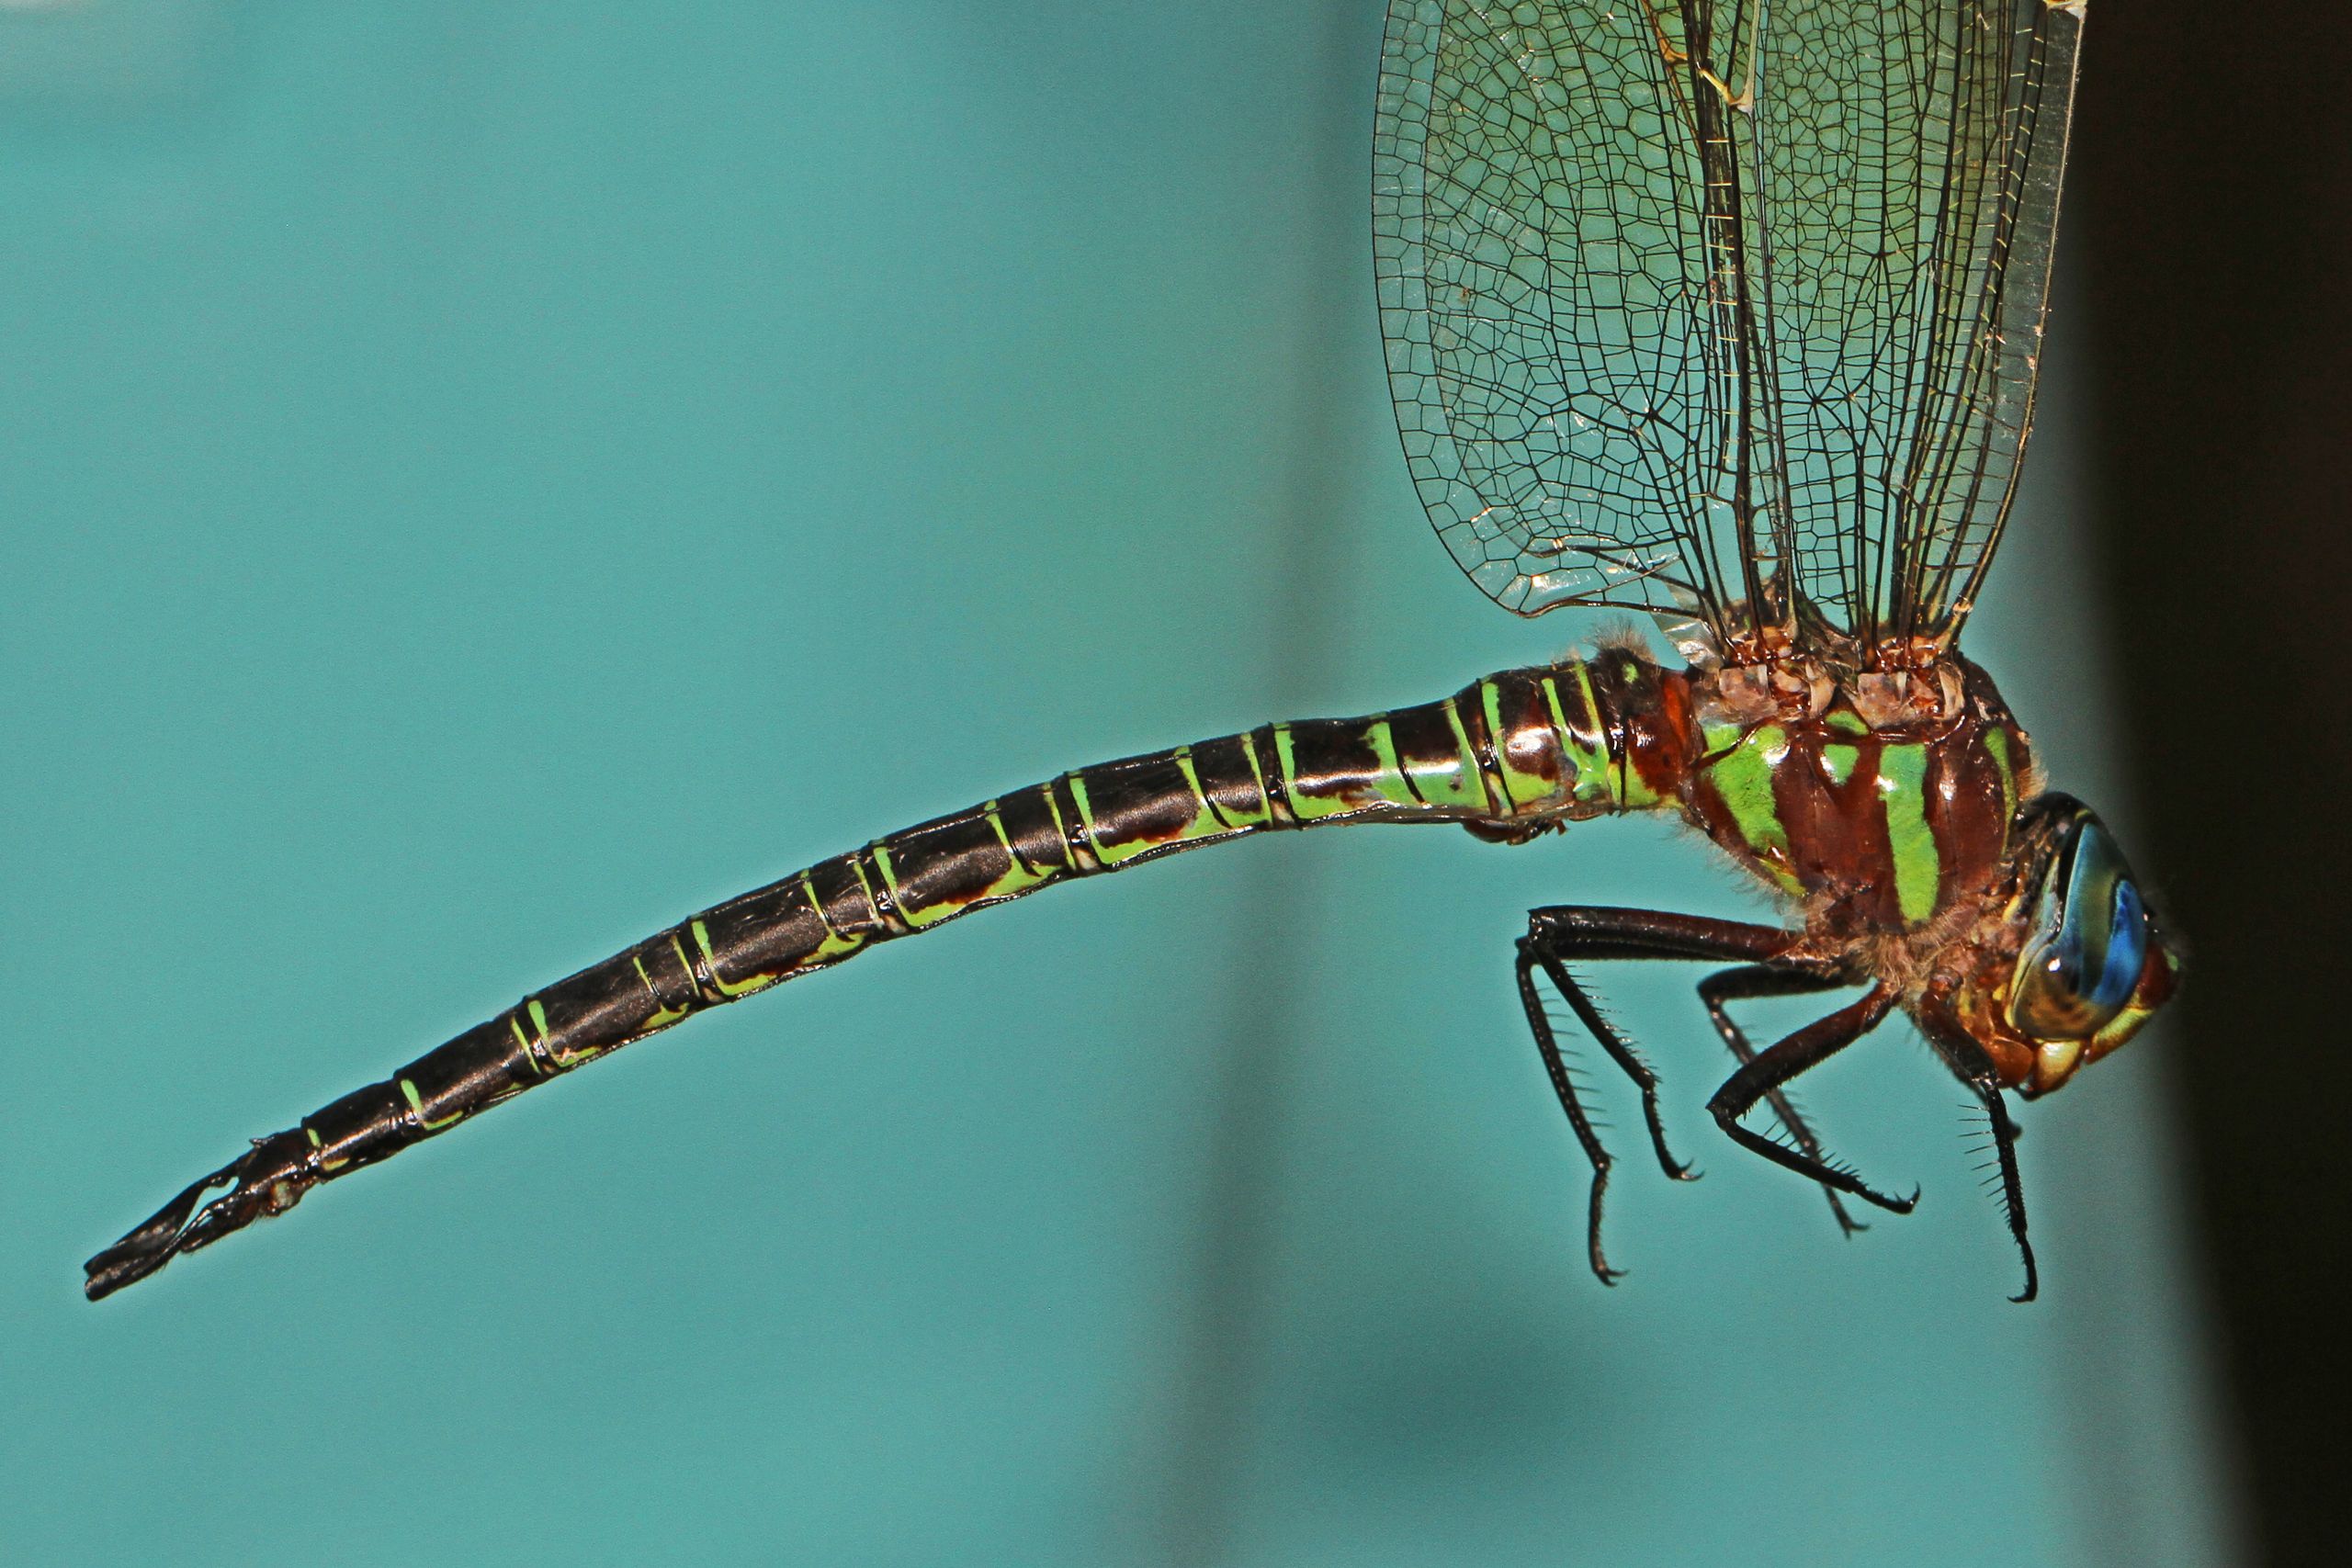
(1510, 753)
(1517, 747)
(1522, 747)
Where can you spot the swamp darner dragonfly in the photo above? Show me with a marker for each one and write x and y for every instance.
(1729, 313)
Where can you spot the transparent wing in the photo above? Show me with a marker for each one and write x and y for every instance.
(1727, 310)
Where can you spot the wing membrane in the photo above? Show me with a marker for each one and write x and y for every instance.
(1730, 309)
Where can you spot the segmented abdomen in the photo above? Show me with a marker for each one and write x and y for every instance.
(1513, 750)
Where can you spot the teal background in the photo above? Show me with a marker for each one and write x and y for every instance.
(480, 481)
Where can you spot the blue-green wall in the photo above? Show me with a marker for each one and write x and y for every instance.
(480, 481)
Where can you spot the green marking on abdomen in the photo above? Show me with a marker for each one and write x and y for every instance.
(1389, 780)
(885, 909)
(1593, 785)
(530, 1052)
(1020, 875)
(1205, 823)
(1258, 772)
(1306, 807)
(663, 1015)
(1202, 825)
(565, 1058)
(835, 944)
(416, 1104)
(1400, 786)
(730, 989)
(1453, 783)
(1520, 788)
(1473, 792)
(1259, 813)
(1919, 867)
(916, 917)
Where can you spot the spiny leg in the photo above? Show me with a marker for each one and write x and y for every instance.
(1973, 1067)
(1808, 1047)
(1750, 983)
(1556, 1067)
(1628, 1060)
(1563, 932)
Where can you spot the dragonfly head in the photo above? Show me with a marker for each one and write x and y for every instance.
(2092, 967)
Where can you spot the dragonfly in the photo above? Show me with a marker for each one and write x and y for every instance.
(1729, 313)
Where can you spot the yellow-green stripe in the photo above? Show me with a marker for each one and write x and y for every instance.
(1911, 843)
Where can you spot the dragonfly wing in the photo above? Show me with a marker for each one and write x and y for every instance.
(1724, 309)
(1909, 159)
(1568, 410)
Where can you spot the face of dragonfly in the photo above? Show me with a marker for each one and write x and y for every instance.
(2093, 966)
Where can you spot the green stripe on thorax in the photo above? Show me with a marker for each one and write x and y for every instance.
(1741, 766)
(1918, 863)
(1996, 746)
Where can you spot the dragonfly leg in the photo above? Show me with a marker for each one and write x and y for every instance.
(1974, 1069)
(1557, 935)
(1757, 980)
(1532, 952)
(1556, 1066)
(1808, 1047)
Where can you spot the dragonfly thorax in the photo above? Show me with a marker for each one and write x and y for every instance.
(1881, 800)
(1903, 810)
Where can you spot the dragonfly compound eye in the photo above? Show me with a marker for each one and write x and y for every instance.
(2095, 967)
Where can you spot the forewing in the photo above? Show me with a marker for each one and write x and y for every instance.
(1722, 309)
(1538, 218)
(1909, 157)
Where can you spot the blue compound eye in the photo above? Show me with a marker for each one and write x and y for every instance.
(2090, 942)
(2126, 950)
